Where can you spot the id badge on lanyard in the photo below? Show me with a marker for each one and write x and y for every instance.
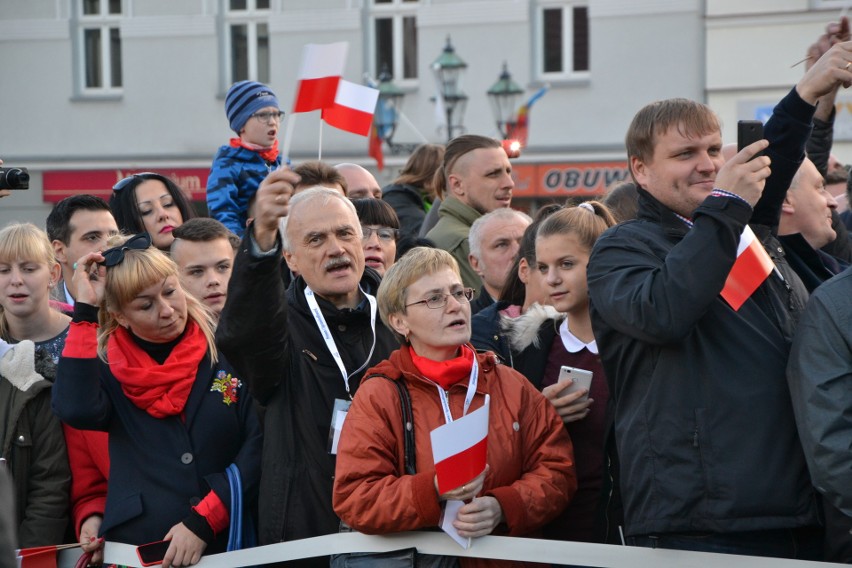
(341, 407)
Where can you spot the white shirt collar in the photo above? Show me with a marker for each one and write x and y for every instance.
(572, 343)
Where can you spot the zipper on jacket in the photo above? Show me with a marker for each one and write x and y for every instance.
(311, 355)
(695, 438)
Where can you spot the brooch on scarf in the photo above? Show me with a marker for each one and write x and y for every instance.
(227, 385)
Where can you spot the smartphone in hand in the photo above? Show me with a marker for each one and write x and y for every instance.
(582, 380)
(749, 132)
(152, 554)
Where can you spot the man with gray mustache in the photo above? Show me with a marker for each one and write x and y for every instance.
(302, 351)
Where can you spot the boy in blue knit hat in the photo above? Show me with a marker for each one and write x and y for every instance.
(238, 168)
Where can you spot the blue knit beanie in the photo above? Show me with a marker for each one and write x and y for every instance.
(246, 98)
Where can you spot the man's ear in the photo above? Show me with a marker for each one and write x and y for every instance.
(455, 186)
(639, 170)
(59, 251)
(475, 264)
(788, 206)
(290, 259)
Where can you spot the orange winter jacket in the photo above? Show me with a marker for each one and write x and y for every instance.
(531, 460)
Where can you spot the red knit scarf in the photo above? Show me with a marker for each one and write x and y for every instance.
(445, 373)
(269, 154)
(159, 390)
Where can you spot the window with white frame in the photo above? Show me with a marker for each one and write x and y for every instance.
(100, 45)
(247, 32)
(563, 44)
(393, 38)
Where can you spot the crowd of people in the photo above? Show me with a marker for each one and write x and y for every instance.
(293, 351)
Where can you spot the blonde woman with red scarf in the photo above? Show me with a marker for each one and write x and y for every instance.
(140, 363)
(530, 475)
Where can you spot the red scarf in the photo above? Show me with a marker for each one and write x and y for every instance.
(159, 390)
(445, 373)
(269, 154)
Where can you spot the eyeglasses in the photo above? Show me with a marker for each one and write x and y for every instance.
(384, 233)
(115, 255)
(141, 175)
(267, 117)
(439, 299)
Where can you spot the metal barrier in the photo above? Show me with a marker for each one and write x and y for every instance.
(490, 547)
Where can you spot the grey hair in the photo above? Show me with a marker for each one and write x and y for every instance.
(477, 230)
(307, 195)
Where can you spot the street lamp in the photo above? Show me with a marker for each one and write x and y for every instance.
(388, 111)
(447, 69)
(503, 96)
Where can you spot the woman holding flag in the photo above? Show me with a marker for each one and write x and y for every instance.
(386, 478)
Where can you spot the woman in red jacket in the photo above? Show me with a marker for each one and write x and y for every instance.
(530, 474)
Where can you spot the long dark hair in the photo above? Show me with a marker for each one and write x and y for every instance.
(124, 206)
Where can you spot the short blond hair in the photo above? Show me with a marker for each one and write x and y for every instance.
(23, 241)
(124, 281)
(411, 267)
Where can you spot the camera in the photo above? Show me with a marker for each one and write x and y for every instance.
(14, 178)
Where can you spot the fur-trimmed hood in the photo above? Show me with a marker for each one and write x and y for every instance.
(522, 331)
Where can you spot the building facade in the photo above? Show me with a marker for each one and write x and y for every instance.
(94, 89)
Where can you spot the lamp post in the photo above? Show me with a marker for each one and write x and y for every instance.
(447, 69)
(503, 96)
(388, 111)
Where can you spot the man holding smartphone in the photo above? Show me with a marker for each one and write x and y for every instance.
(709, 454)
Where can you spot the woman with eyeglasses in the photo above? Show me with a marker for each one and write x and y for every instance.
(150, 202)
(530, 474)
(32, 447)
(380, 228)
(140, 363)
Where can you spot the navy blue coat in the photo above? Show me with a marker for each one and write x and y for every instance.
(161, 467)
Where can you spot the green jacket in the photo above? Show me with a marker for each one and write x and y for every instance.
(450, 234)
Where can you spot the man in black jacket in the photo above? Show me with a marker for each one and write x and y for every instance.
(304, 350)
(709, 454)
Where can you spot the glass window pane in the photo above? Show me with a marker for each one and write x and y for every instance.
(263, 53)
(239, 53)
(115, 57)
(552, 46)
(581, 39)
(115, 6)
(92, 48)
(262, 4)
(384, 45)
(238, 4)
(409, 47)
(382, 1)
(91, 7)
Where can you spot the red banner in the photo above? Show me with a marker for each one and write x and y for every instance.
(567, 179)
(61, 184)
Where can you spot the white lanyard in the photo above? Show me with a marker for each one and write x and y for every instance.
(471, 390)
(329, 340)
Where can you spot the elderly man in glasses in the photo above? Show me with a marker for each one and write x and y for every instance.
(302, 351)
(239, 166)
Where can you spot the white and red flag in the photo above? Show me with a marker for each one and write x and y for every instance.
(353, 108)
(322, 68)
(459, 449)
(751, 268)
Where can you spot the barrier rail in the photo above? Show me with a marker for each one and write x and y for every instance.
(490, 547)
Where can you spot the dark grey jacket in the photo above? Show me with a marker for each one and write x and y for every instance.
(271, 337)
(703, 418)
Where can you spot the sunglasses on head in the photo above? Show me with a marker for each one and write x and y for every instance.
(115, 255)
(141, 175)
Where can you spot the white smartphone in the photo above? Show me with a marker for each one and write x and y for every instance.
(581, 377)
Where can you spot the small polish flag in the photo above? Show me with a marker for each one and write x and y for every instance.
(459, 449)
(751, 268)
(353, 108)
(322, 68)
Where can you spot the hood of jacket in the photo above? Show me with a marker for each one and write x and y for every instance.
(522, 331)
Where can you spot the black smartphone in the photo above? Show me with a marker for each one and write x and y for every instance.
(749, 132)
(152, 553)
